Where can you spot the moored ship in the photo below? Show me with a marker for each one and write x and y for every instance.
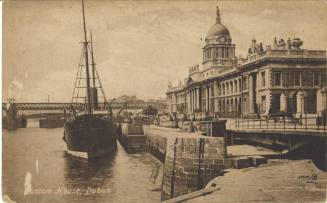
(88, 134)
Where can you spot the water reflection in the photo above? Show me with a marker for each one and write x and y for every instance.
(80, 172)
(56, 176)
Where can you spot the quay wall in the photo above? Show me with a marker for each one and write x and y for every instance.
(132, 137)
(156, 141)
(190, 160)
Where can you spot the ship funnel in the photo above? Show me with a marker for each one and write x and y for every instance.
(94, 98)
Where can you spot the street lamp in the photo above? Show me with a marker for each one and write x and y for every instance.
(302, 104)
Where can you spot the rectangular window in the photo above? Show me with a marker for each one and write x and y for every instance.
(316, 78)
(204, 105)
(245, 105)
(212, 105)
(245, 82)
(297, 78)
(263, 78)
(203, 93)
(277, 78)
(212, 93)
(263, 104)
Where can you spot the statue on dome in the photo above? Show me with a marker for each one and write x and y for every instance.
(169, 85)
(275, 46)
(260, 47)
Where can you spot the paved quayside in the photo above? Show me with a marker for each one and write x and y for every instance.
(277, 181)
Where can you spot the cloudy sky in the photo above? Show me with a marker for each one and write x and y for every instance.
(139, 46)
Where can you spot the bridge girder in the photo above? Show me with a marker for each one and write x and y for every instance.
(62, 106)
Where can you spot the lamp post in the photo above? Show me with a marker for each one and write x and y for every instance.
(302, 105)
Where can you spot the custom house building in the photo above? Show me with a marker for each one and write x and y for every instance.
(282, 77)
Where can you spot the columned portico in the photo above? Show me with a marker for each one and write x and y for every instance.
(281, 77)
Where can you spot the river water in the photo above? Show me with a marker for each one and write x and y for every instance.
(37, 169)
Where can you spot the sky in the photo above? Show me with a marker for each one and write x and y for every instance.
(139, 46)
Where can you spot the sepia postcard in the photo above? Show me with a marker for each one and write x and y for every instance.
(164, 101)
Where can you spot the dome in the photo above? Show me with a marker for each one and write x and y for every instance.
(217, 30)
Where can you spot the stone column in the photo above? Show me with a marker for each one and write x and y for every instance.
(207, 99)
(198, 98)
(188, 102)
(215, 87)
(191, 102)
(321, 100)
(283, 102)
(251, 93)
(300, 103)
(194, 103)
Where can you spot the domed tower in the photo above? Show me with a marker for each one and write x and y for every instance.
(218, 50)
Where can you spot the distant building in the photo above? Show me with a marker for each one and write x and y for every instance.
(278, 78)
(126, 98)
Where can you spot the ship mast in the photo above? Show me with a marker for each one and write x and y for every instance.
(89, 110)
(93, 64)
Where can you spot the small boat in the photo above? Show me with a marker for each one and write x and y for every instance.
(87, 134)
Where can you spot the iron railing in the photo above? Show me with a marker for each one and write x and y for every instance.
(304, 123)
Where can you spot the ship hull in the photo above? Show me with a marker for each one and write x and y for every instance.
(90, 137)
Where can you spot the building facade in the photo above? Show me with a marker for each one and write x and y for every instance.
(281, 77)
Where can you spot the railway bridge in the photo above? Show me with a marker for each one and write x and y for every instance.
(66, 106)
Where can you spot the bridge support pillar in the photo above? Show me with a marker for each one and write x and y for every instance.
(11, 118)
